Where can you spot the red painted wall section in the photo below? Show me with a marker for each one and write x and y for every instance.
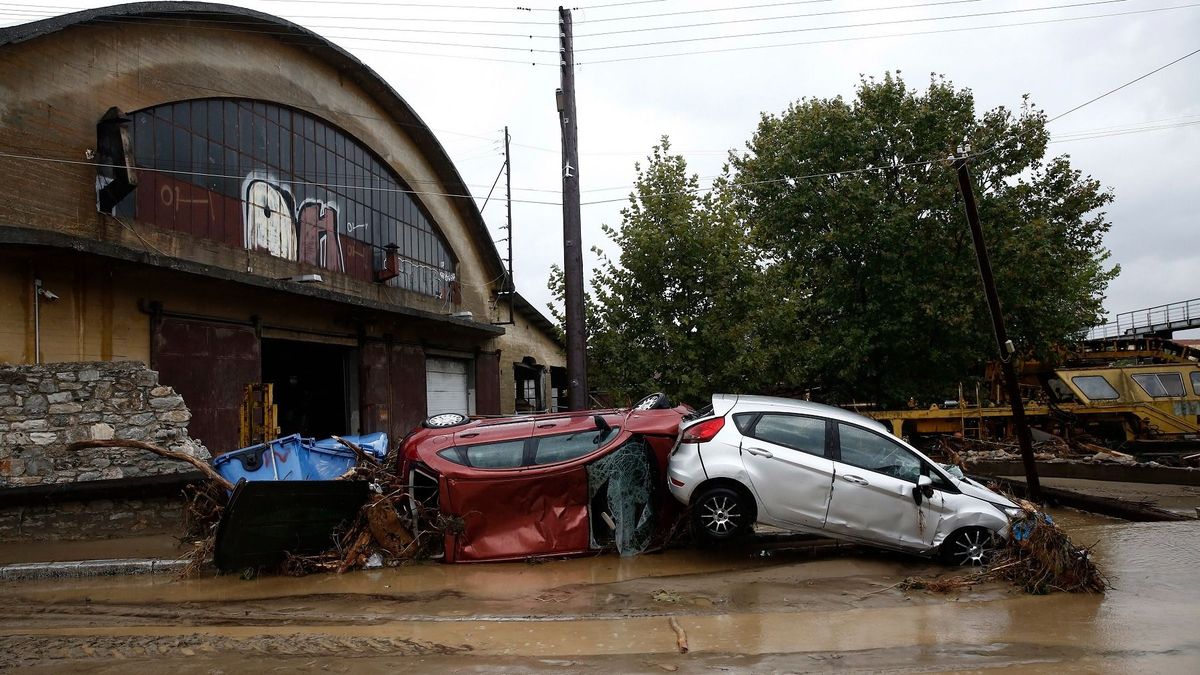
(209, 364)
(487, 383)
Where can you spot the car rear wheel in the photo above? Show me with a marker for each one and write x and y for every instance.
(969, 547)
(720, 514)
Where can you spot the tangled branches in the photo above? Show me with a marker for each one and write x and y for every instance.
(1038, 557)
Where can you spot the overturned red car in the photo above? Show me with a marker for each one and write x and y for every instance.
(555, 484)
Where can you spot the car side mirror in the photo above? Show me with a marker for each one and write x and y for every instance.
(923, 489)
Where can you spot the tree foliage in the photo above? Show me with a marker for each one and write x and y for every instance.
(669, 312)
(835, 256)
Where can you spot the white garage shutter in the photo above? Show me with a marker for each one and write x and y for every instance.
(447, 386)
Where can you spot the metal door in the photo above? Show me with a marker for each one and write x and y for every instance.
(447, 386)
(873, 491)
(784, 456)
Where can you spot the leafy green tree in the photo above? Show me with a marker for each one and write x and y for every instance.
(670, 312)
(865, 256)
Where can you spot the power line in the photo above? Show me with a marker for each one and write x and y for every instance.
(257, 26)
(728, 22)
(706, 11)
(861, 38)
(284, 33)
(1113, 91)
(39, 10)
(856, 25)
(1093, 134)
(327, 186)
(618, 4)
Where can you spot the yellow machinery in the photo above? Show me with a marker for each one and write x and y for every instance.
(1144, 388)
(259, 418)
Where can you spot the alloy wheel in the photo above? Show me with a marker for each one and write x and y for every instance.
(721, 515)
(972, 547)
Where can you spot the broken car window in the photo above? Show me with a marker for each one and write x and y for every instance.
(873, 452)
(806, 434)
(560, 448)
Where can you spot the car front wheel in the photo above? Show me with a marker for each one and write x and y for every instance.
(720, 514)
(969, 547)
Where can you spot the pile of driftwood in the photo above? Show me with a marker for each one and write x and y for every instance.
(378, 536)
(1038, 557)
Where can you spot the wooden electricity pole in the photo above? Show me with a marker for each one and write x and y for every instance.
(1033, 486)
(572, 245)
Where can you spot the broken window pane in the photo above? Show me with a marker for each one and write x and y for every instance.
(873, 452)
(619, 498)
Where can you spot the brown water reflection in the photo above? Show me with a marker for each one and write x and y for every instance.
(789, 611)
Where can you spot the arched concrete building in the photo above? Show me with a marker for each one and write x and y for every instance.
(233, 199)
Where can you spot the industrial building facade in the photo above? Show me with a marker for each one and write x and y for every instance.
(235, 200)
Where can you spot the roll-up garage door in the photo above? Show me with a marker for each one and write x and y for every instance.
(447, 386)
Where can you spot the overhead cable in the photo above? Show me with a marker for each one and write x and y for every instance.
(861, 38)
(854, 25)
(729, 22)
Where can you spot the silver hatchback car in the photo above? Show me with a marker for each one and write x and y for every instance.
(814, 468)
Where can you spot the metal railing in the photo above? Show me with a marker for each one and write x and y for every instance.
(1170, 317)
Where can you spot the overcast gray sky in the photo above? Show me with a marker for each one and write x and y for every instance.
(468, 71)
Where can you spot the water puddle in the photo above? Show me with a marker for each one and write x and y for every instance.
(736, 603)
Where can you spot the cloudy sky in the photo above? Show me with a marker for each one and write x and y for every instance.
(702, 72)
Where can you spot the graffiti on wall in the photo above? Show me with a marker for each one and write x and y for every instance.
(274, 223)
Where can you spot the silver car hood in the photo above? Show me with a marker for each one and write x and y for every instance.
(973, 489)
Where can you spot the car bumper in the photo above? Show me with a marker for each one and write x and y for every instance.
(685, 471)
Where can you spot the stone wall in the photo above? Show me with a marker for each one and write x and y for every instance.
(92, 519)
(44, 408)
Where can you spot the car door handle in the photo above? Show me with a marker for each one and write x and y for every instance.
(760, 452)
(855, 479)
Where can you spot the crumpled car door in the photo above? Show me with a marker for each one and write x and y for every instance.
(873, 491)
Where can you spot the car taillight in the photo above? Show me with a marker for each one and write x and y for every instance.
(704, 431)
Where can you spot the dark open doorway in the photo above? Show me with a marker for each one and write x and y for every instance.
(314, 386)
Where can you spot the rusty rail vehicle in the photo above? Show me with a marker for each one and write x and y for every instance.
(1122, 390)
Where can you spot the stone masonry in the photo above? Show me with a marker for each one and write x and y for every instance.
(44, 408)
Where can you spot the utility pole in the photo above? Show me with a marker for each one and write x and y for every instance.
(1033, 486)
(572, 245)
(512, 281)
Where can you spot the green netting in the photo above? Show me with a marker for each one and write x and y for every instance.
(621, 486)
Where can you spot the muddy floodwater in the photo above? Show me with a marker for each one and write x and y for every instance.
(768, 606)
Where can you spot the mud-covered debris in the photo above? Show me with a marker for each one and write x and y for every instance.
(662, 595)
(1038, 557)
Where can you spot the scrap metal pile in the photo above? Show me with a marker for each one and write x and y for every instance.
(961, 451)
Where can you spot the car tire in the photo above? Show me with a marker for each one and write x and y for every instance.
(445, 421)
(720, 514)
(969, 547)
(655, 401)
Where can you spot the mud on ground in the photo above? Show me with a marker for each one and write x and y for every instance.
(758, 607)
